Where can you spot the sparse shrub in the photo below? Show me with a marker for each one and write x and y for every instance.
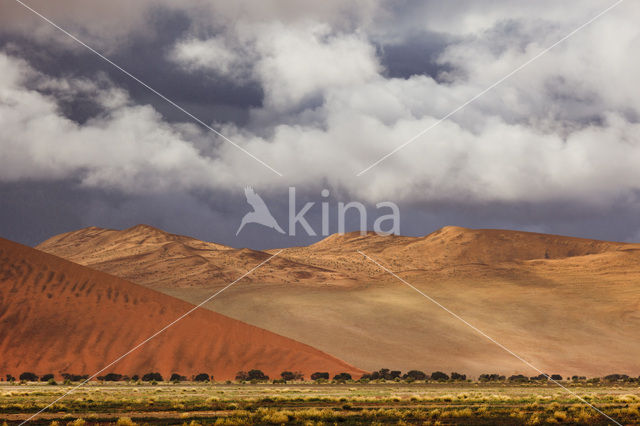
(320, 376)
(616, 378)
(51, 382)
(74, 377)
(415, 375)
(112, 377)
(288, 376)
(242, 376)
(28, 377)
(257, 375)
(383, 373)
(135, 378)
(175, 377)
(491, 378)
(202, 377)
(458, 376)
(10, 378)
(46, 377)
(560, 416)
(439, 376)
(342, 377)
(539, 378)
(152, 377)
(125, 421)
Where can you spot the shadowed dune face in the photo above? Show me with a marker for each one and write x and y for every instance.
(568, 305)
(56, 317)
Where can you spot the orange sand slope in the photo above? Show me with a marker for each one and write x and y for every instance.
(57, 316)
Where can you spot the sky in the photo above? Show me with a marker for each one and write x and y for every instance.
(307, 95)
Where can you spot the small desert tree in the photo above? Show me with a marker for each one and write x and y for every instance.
(152, 377)
(415, 375)
(342, 377)
(458, 376)
(113, 377)
(320, 376)
(289, 376)
(202, 377)
(28, 377)
(175, 377)
(257, 375)
(439, 376)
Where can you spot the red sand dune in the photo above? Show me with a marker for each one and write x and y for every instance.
(57, 316)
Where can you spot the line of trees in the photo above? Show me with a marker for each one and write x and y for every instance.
(257, 376)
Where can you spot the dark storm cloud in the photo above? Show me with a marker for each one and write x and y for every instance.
(417, 54)
(319, 91)
(211, 99)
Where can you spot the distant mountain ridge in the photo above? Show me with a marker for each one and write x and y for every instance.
(131, 252)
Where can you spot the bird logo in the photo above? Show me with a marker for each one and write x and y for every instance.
(260, 214)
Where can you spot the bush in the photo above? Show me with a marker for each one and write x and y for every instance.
(257, 375)
(458, 376)
(519, 378)
(74, 377)
(242, 376)
(616, 378)
(135, 378)
(415, 375)
(320, 375)
(342, 377)
(491, 378)
(288, 376)
(10, 378)
(556, 377)
(152, 377)
(384, 374)
(202, 377)
(578, 378)
(28, 377)
(112, 377)
(46, 377)
(51, 382)
(439, 376)
(175, 377)
(540, 378)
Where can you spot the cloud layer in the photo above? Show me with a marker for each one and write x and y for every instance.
(563, 129)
